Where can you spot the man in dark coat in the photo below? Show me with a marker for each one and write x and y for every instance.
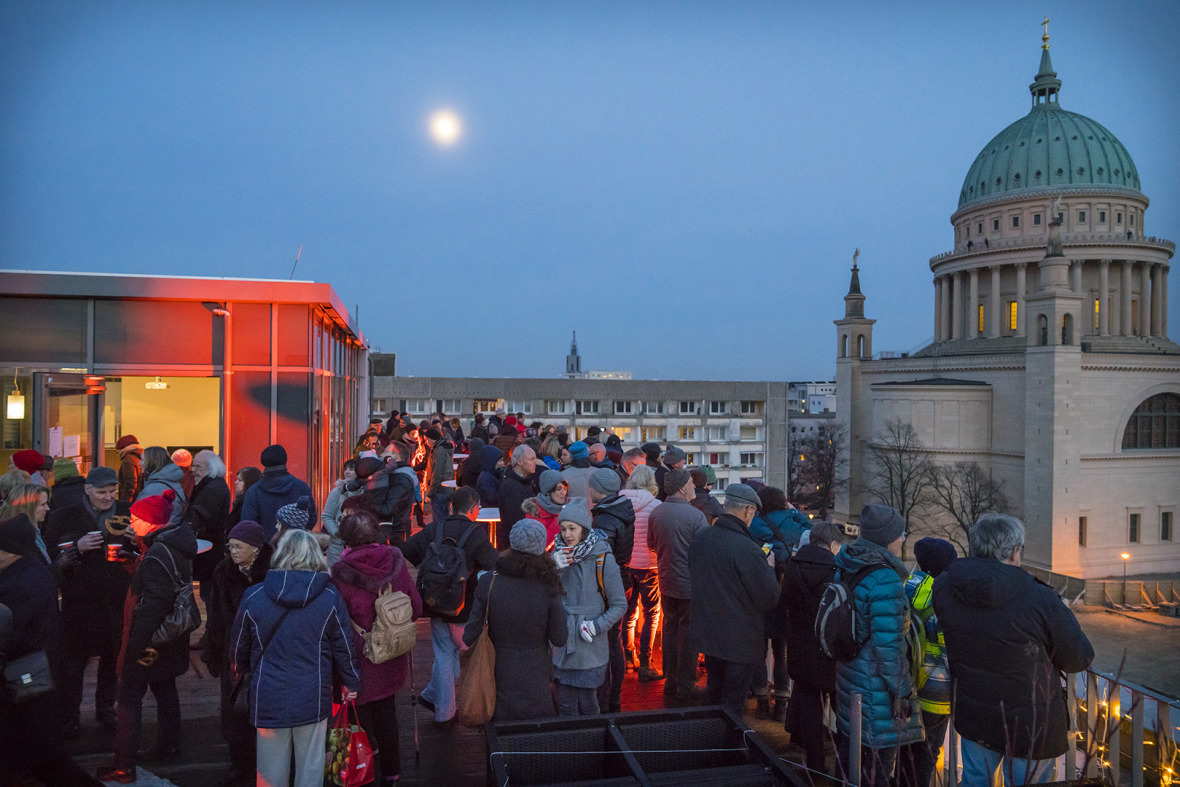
(208, 511)
(733, 587)
(390, 495)
(516, 487)
(130, 476)
(93, 589)
(30, 731)
(674, 459)
(614, 517)
(1008, 637)
(67, 484)
(446, 631)
(276, 489)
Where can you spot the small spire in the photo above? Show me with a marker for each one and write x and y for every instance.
(854, 285)
(574, 344)
(1046, 85)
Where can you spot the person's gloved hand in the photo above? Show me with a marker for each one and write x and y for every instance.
(561, 558)
(587, 631)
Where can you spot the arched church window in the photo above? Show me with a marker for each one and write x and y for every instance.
(1042, 330)
(1155, 423)
(844, 346)
(860, 347)
(1067, 330)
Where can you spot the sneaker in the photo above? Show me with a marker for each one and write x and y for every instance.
(629, 660)
(692, 694)
(780, 710)
(113, 773)
(763, 709)
(647, 674)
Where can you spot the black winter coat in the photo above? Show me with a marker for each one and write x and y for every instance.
(804, 578)
(1008, 639)
(92, 589)
(221, 606)
(480, 554)
(152, 593)
(391, 496)
(615, 517)
(524, 620)
(67, 492)
(207, 514)
(514, 490)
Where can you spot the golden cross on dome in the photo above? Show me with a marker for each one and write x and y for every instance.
(1045, 37)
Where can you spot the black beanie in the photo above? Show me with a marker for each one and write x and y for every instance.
(274, 455)
(18, 536)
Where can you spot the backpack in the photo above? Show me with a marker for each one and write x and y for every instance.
(393, 633)
(838, 628)
(442, 575)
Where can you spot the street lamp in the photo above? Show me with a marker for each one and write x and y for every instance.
(1125, 556)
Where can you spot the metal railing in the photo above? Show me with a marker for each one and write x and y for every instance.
(1104, 739)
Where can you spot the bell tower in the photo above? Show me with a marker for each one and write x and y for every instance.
(854, 345)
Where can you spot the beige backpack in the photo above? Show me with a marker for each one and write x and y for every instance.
(393, 633)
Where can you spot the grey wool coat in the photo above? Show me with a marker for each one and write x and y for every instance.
(583, 601)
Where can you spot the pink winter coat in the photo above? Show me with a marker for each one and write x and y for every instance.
(644, 503)
(359, 576)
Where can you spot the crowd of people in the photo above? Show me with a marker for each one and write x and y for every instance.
(597, 551)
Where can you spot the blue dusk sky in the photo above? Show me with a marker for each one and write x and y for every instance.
(683, 183)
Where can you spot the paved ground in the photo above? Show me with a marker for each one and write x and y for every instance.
(1150, 644)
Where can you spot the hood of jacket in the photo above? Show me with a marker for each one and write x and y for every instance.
(294, 589)
(984, 582)
(280, 484)
(180, 537)
(170, 475)
(369, 567)
(814, 564)
(619, 507)
(444, 444)
(860, 553)
(582, 462)
(488, 456)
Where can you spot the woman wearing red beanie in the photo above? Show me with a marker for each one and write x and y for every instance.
(166, 563)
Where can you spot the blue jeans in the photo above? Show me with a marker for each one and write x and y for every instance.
(447, 639)
(980, 763)
(440, 506)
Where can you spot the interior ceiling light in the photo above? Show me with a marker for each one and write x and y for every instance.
(16, 401)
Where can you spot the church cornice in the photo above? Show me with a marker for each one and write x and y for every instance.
(1171, 367)
(909, 365)
(1152, 455)
(1069, 240)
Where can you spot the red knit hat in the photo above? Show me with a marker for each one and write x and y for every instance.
(155, 510)
(126, 440)
(28, 460)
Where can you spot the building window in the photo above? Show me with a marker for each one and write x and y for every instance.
(689, 408)
(996, 225)
(1036, 219)
(622, 407)
(587, 407)
(979, 230)
(751, 459)
(486, 405)
(1165, 525)
(1133, 528)
(1081, 531)
(653, 434)
(556, 406)
(1101, 217)
(690, 459)
(1015, 222)
(622, 432)
(1097, 306)
(653, 408)
(414, 405)
(718, 408)
(688, 433)
(1132, 219)
(979, 320)
(1081, 217)
(717, 432)
(520, 406)
(749, 433)
(451, 406)
(1154, 424)
(751, 408)
(379, 405)
(1118, 217)
(1012, 315)
(714, 459)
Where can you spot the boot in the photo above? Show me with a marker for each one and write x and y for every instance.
(629, 660)
(763, 710)
(780, 710)
(647, 674)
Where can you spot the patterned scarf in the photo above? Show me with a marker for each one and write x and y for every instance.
(583, 547)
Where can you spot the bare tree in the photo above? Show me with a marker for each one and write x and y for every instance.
(965, 491)
(899, 469)
(825, 465)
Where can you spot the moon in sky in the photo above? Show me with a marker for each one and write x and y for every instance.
(444, 127)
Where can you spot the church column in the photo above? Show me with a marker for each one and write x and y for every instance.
(1164, 301)
(938, 308)
(1021, 317)
(1125, 306)
(1157, 271)
(973, 305)
(994, 329)
(1145, 299)
(1075, 277)
(957, 306)
(1103, 297)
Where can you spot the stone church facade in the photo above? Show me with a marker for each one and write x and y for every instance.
(1051, 365)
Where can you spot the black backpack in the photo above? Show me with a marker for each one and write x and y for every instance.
(442, 574)
(838, 628)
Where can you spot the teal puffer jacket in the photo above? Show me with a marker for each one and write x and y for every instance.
(880, 673)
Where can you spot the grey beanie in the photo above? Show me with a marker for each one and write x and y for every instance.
(741, 493)
(881, 524)
(576, 511)
(675, 480)
(528, 535)
(672, 455)
(549, 481)
(101, 476)
(604, 481)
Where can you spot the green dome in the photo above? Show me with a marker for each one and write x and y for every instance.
(1049, 148)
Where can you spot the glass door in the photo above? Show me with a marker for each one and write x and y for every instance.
(67, 413)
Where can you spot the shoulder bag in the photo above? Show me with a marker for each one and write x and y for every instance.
(477, 675)
(239, 696)
(184, 617)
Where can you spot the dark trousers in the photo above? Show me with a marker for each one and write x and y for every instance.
(237, 730)
(610, 693)
(778, 649)
(73, 672)
(440, 506)
(805, 722)
(680, 660)
(876, 765)
(30, 741)
(915, 764)
(129, 722)
(379, 720)
(728, 682)
(644, 585)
